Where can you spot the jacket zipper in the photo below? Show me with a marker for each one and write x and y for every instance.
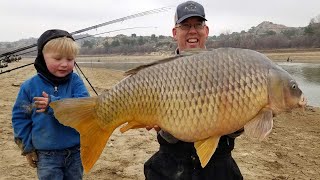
(55, 90)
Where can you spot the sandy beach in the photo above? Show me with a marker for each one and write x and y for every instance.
(291, 151)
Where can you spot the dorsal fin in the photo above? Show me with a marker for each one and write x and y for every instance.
(187, 52)
(136, 69)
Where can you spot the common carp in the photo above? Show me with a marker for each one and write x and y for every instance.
(197, 98)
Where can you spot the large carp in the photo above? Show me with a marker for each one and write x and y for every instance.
(197, 98)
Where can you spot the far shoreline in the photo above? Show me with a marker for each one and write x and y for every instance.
(294, 56)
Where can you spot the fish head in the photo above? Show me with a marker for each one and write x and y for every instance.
(293, 96)
(284, 92)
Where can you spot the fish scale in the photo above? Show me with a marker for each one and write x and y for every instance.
(197, 97)
(170, 79)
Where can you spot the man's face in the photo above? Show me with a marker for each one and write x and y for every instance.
(193, 37)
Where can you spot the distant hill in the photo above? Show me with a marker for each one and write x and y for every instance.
(260, 29)
(9, 46)
(268, 27)
(265, 35)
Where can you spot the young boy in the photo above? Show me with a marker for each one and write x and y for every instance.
(51, 147)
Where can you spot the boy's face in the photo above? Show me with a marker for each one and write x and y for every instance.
(57, 65)
(195, 37)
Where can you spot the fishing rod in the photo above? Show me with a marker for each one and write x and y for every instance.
(2, 72)
(95, 35)
(153, 11)
(163, 9)
(114, 31)
(77, 66)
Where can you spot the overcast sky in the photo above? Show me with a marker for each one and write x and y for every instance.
(22, 19)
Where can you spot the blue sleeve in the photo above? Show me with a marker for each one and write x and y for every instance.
(79, 89)
(22, 122)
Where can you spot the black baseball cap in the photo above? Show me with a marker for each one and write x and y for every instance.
(189, 9)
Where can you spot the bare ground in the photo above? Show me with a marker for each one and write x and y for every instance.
(292, 151)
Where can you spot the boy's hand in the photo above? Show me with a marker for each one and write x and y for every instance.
(32, 159)
(41, 103)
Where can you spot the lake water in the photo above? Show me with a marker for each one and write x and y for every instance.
(306, 74)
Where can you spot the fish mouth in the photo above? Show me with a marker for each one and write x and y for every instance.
(303, 101)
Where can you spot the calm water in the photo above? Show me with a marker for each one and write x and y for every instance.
(307, 75)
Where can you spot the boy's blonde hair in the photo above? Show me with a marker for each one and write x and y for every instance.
(65, 46)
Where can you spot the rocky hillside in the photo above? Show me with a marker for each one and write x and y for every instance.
(267, 27)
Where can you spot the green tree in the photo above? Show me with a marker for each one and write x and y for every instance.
(87, 43)
(141, 40)
(128, 41)
(309, 30)
(106, 44)
(8, 46)
(251, 30)
(270, 33)
(153, 38)
(161, 36)
(289, 33)
(115, 43)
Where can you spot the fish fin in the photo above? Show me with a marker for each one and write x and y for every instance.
(79, 113)
(136, 69)
(93, 141)
(205, 149)
(187, 52)
(261, 125)
(132, 125)
(191, 51)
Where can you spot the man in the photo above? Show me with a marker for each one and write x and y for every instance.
(177, 159)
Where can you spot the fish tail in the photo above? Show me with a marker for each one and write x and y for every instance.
(80, 114)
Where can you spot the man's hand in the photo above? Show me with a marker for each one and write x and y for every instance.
(155, 127)
(32, 159)
(41, 103)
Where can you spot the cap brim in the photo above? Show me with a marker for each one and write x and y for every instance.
(187, 16)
